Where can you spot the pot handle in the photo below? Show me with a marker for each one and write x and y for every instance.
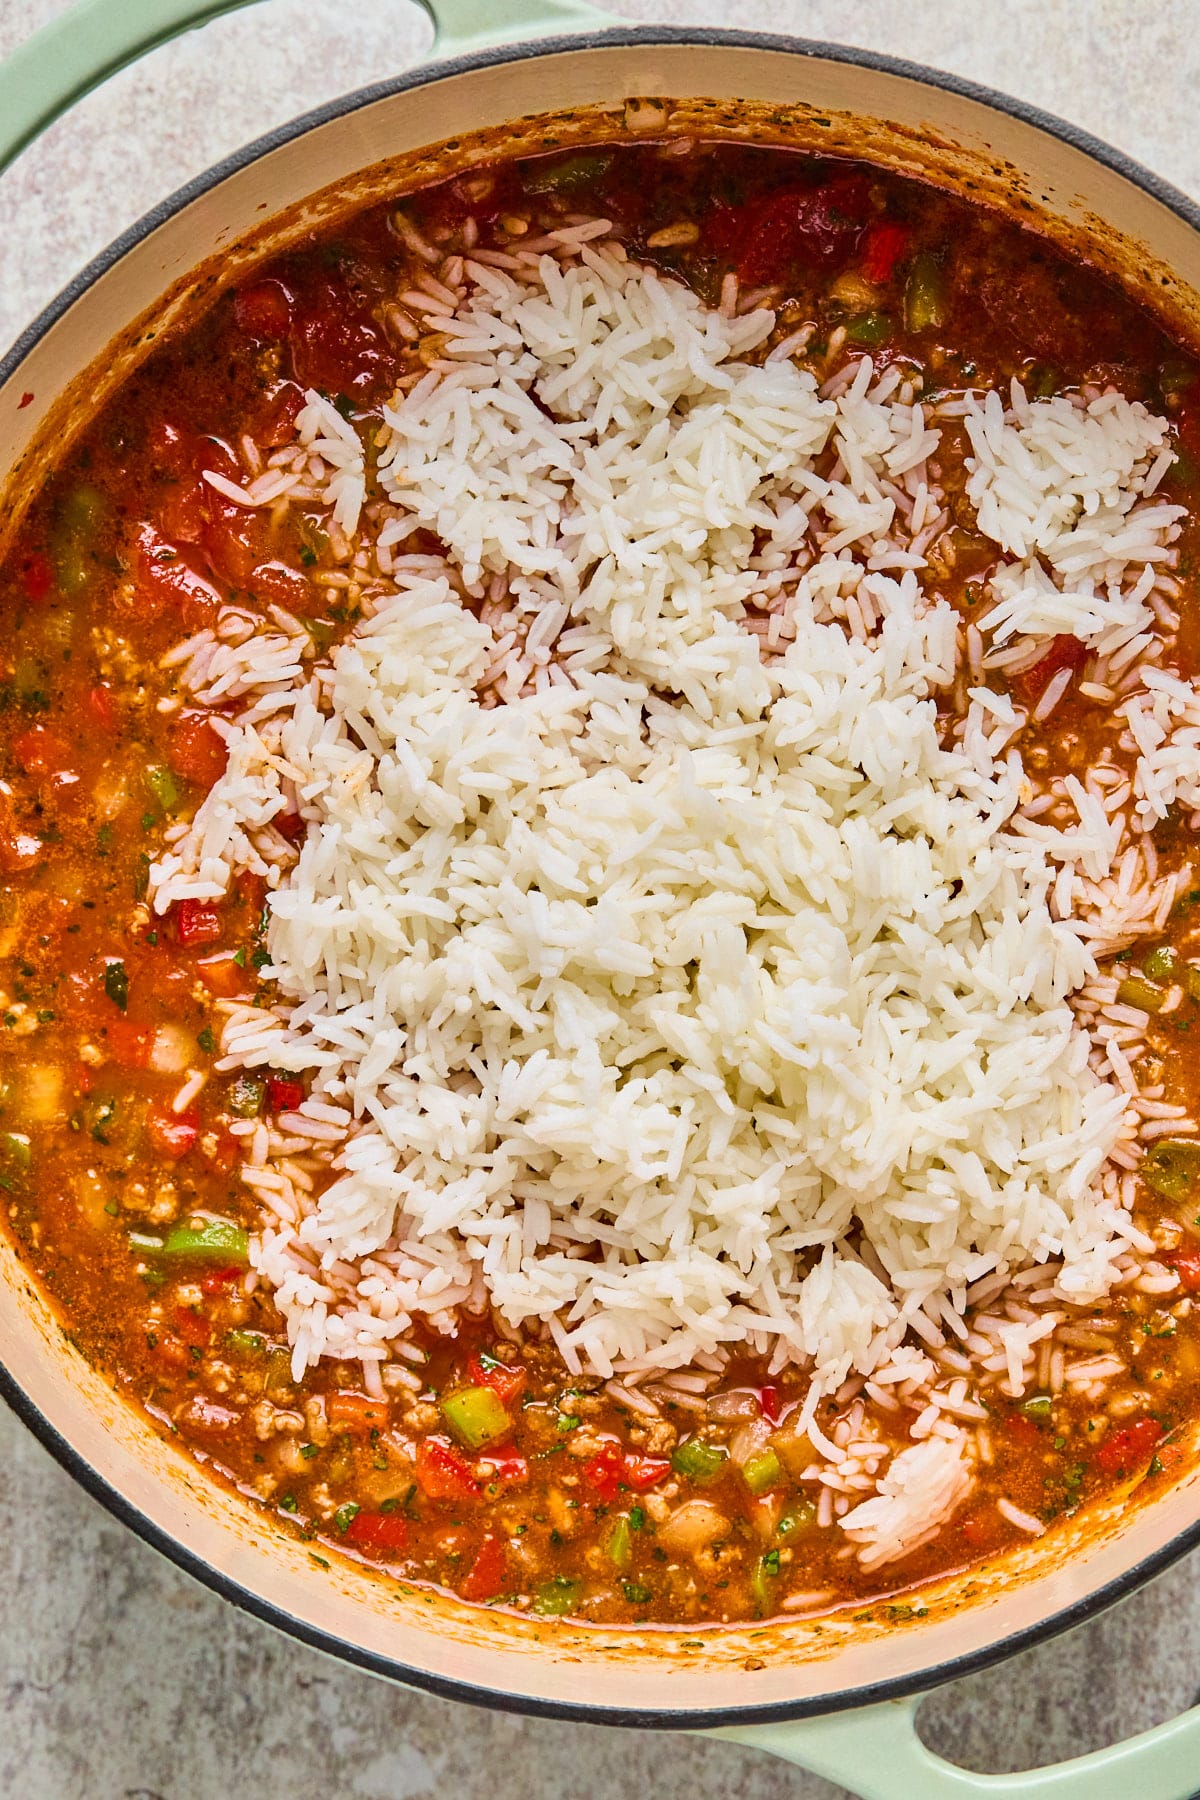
(877, 1753)
(66, 59)
(463, 25)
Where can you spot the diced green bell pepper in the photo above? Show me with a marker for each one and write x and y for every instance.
(217, 1240)
(476, 1416)
(801, 1515)
(1042, 380)
(1135, 990)
(279, 1370)
(762, 1471)
(763, 1581)
(163, 785)
(1162, 964)
(620, 1544)
(924, 294)
(16, 1150)
(30, 676)
(565, 174)
(1171, 1166)
(698, 1461)
(869, 329)
(78, 519)
(557, 1596)
(246, 1096)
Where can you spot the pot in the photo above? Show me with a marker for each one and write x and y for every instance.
(837, 1695)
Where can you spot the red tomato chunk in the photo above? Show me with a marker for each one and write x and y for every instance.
(1128, 1446)
(196, 923)
(485, 1579)
(173, 1134)
(264, 310)
(284, 1093)
(197, 751)
(441, 1472)
(377, 1532)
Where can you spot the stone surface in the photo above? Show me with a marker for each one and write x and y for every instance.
(121, 1679)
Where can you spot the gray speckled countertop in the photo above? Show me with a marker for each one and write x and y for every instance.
(120, 1679)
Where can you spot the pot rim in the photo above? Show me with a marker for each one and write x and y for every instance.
(72, 1460)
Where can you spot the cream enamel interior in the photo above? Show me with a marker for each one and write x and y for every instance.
(814, 100)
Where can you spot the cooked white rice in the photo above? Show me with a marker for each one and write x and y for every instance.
(662, 970)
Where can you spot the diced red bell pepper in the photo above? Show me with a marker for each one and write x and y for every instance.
(441, 1472)
(485, 1578)
(263, 311)
(507, 1380)
(196, 922)
(39, 750)
(284, 1093)
(510, 1469)
(974, 1530)
(768, 1400)
(1126, 1448)
(128, 1044)
(357, 1414)
(192, 1327)
(1186, 1264)
(604, 1472)
(226, 1152)
(644, 1472)
(885, 245)
(376, 1533)
(221, 974)
(218, 1280)
(172, 1134)
(1022, 1428)
(102, 706)
(251, 891)
(1065, 652)
(197, 751)
(37, 577)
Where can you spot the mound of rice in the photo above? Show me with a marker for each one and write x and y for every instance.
(664, 969)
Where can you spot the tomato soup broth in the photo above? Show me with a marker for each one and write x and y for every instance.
(477, 1459)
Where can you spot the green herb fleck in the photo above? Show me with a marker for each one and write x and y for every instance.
(116, 984)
